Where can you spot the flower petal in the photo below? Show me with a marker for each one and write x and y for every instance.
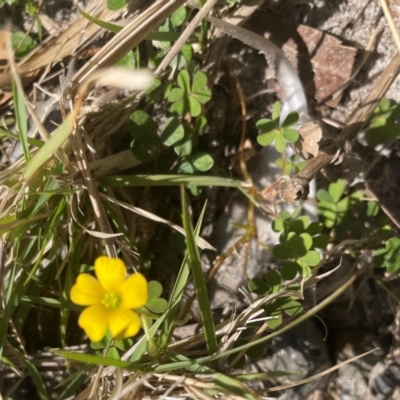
(93, 320)
(120, 319)
(87, 291)
(132, 329)
(111, 273)
(134, 291)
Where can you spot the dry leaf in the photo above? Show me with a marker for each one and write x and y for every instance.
(310, 135)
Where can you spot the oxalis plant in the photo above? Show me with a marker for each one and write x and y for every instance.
(81, 270)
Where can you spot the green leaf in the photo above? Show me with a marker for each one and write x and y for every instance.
(336, 189)
(178, 17)
(128, 60)
(307, 240)
(323, 195)
(265, 139)
(194, 107)
(291, 120)
(281, 251)
(106, 25)
(258, 286)
(22, 44)
(285, 215)
(296, 245)
(278, 225)
(172, 132)
(202, 162)
(276, 111)
(186, 167)
(115, 5)
(372, 208)
(184, 81)
(292, 307)
(279, 143)
(175, 95)
(290, 135)
(157, 306)
(179, 107)
(314, 228)
(200, 124)
(290, 270)
(199, 81)
(154, 289)
(187, 51)
(184, 147)
(256, 351)
(320, 242)
(312, 258)
(276, 321)
(273, 280)
(145, 142)
(112, 352)
(266, 125)
(202, 96)
(299, 225)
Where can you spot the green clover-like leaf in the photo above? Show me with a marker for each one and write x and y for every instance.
(173, 132)
(265, 139)
(183, 81)
(175, 94)
(194, 107)
(154, 290)
(312, 258)
(202, 162)
(199, 81)
(280, 143)
(178, 17)
(157, 305)
(266, 125)
(292, 307)
(336, 189)
(291, 120)
(274, 281)
(290, 135)
(290, 270)
(258, 286)
(276, 111)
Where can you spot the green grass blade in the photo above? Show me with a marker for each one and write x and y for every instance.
(198, 278)
(177, 291)
(21, 116)
(36, 378)
(60, 135)
(160, 36)
(168, 180)
(97, 360)
(31, 141)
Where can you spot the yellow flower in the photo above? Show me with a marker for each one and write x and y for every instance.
(111, 299)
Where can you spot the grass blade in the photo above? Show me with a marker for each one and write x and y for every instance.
(198, 278)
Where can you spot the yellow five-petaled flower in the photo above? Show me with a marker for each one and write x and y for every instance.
(111, 299)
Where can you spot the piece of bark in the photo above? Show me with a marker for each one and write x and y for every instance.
(324, 64)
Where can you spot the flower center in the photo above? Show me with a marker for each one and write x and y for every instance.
(112, 300)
